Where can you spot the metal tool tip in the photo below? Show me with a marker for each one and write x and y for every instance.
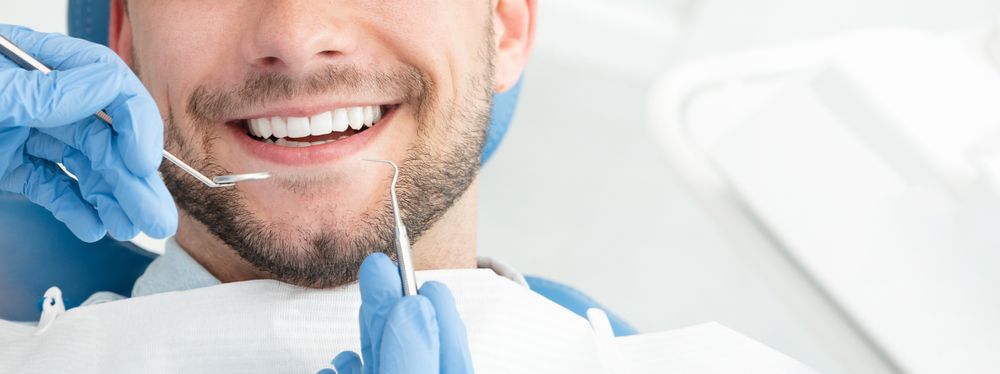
(238, 178)
(393, 164)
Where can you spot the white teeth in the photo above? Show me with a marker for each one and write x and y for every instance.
(298, 127)
(321, 124)
(340, 120)
(278, 127)
(369, 116)
(254, 127)
(265, 127)
(356, 116)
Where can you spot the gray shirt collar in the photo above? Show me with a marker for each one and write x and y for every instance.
(175, 270)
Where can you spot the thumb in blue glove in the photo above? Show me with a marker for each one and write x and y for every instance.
(416, 334)
(47, 119)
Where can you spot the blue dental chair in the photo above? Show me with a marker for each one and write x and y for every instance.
(37, 251)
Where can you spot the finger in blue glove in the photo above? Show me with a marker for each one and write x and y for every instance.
(381, 289)
(43, 183)
(347, 363)
(455, 355)
(410, 340)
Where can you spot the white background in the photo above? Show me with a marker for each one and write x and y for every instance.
(579, 192)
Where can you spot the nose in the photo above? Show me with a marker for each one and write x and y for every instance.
(296, 35)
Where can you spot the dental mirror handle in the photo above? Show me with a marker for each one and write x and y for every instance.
(173, 159)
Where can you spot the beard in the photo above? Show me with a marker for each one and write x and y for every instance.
(435, 172)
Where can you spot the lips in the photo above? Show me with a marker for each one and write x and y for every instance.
(296, 140)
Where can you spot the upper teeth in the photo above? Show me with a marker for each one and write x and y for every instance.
(320, 124)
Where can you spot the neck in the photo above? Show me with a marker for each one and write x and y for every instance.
(450, 243)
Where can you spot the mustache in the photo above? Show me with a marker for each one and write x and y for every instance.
(209, 105)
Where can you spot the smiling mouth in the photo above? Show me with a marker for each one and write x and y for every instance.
(319, 129)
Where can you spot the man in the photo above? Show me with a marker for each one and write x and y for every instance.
(302, 89)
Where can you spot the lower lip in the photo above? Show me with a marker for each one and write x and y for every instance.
(315, 154)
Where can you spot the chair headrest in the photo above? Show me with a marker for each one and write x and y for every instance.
(88, 19)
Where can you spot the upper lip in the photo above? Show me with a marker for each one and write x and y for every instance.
(303, 109)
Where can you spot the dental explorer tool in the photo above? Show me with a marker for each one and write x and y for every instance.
(402, 240)
(24, 60)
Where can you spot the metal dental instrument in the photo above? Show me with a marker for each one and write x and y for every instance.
(23, 59)
(402, 240)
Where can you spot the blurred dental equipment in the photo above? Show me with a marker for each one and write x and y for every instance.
(861, 175)
(26, 61)
(406, 272)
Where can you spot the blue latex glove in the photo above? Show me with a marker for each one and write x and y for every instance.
(45, 119)
(420, 334)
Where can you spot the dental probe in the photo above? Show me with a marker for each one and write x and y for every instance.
(402, 240)
(24, 60)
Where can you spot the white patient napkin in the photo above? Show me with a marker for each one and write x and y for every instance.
(272, 327)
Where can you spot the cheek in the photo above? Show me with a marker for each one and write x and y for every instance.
(440, 37)
(179, 44)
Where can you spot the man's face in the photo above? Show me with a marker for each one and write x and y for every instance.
(248, 86)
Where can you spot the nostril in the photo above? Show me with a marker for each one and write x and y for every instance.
(329, 53)
(270, 61)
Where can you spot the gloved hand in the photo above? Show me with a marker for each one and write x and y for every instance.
(415, 334)
(45, 119)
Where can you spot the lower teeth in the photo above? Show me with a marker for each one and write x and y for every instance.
(284, 142)
(293, 144)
